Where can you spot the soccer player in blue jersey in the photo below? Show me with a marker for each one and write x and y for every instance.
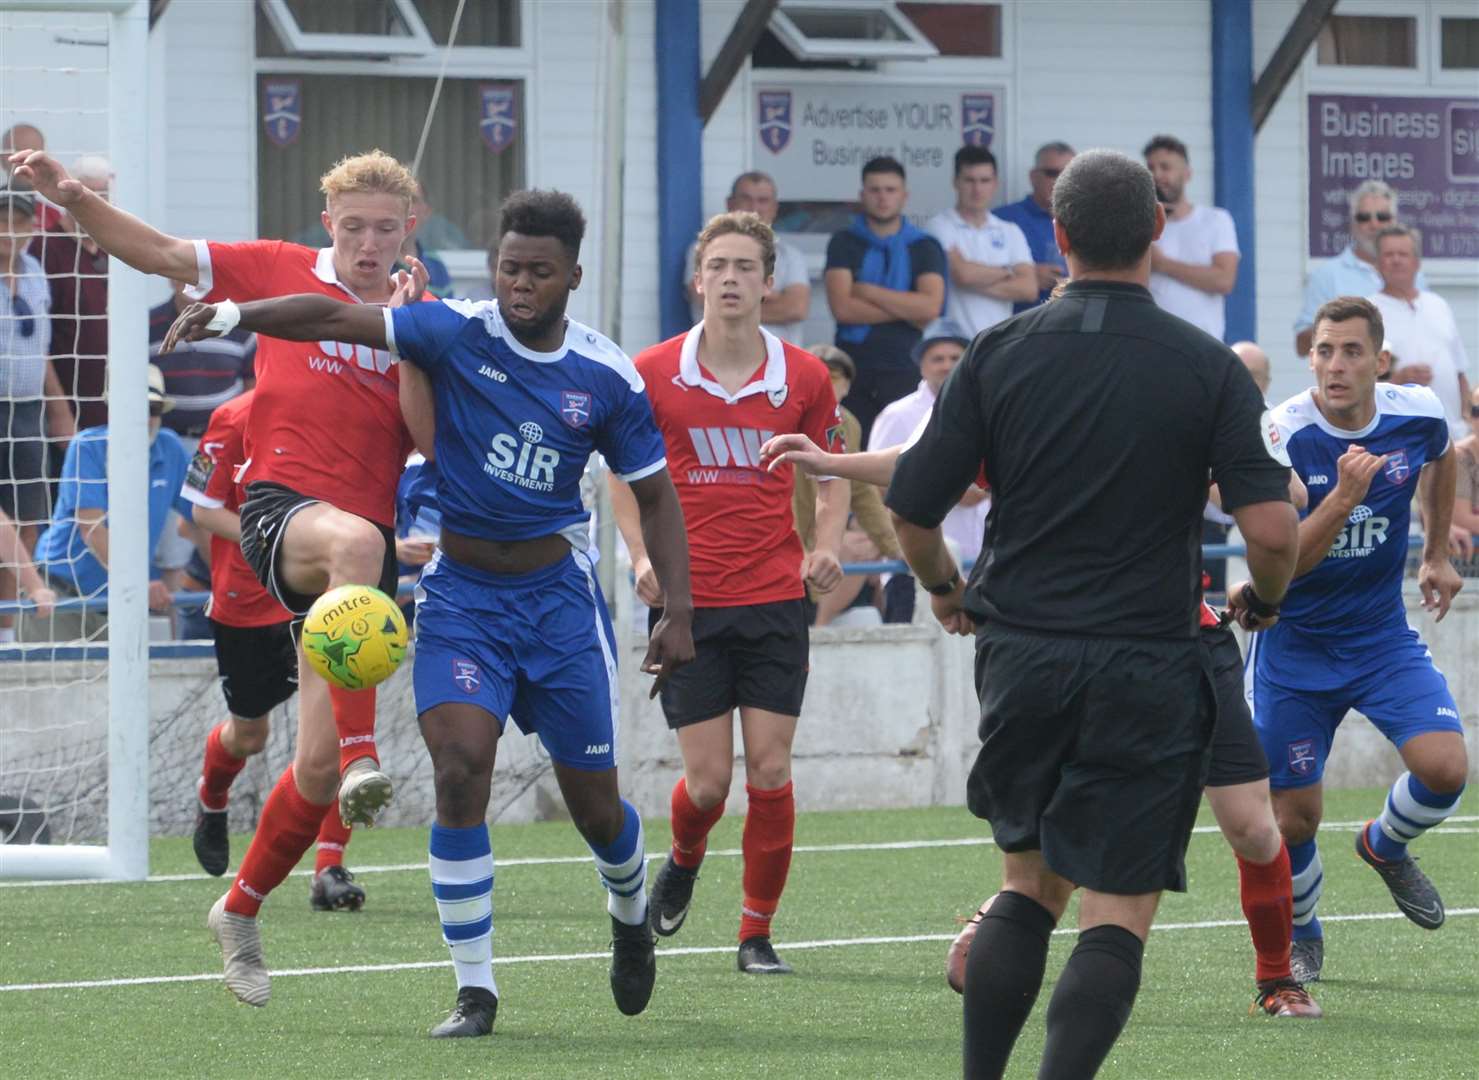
(510, 620)
(1341, 640)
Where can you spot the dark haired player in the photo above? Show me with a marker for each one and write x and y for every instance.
(510, 620)
(256, 656)
(719, 392)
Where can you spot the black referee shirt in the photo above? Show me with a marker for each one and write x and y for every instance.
(1099, 418)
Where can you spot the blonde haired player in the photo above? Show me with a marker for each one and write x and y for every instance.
(325, 443)
(717, 393)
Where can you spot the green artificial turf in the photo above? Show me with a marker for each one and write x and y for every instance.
(1399, 1001)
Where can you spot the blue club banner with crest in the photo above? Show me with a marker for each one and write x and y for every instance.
(498, 117)
(282, 110)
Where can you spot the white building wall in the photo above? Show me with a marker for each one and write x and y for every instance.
(1280, 200)
(208, 121)
(640, 322)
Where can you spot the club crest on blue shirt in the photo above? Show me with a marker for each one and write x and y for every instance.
(1397, 468)
(575, 407)
(1302, 756)
(465, 675)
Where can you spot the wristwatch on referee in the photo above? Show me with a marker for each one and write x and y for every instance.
(947, 587)
(1255, 604)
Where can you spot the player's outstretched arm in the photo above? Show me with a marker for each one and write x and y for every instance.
(872, 466)
(1437, 579)
(304, 317)
(670, 644)
(116, 231)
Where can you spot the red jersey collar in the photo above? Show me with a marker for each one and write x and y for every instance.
(772, 379)
(323, 269)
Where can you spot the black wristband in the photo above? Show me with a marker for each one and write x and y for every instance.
(1255, 604)
(944, 589)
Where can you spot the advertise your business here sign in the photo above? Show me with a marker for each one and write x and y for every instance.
(814, 137)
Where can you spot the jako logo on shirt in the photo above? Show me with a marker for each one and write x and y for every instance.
(1361, 536)
(731, 455)
(364, 357)
(522, 460)
(491, 373)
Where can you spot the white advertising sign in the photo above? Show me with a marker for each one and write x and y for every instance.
(814, 137)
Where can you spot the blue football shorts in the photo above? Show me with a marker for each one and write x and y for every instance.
(536, 647)
(1303, 688)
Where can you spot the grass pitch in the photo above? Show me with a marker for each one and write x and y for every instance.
(865, 925)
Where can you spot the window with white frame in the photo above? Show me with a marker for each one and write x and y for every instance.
(316, 106)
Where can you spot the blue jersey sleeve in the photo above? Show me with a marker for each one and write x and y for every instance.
(421, 333)
(629, 439)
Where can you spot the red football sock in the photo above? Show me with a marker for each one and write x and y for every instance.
(218, 772)
(354, 716)
(287, 828)
(770, 830)
(691, 827)
(333, 838)
(1268, 904)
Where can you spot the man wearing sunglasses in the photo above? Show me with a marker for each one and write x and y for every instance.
(1354, 271)
(1034, 216)
(26, 379)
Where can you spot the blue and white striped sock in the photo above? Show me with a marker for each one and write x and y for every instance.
(1308, 881)
(623, 868)
(461, 865)
(1411, 810)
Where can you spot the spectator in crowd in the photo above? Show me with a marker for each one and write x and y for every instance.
(1256, 361)
(28, 137)
(78, 272)
(885, 282)
(432, 233)
(1466, 497)
(869, 535)
(1034, 216)
(1194, 265)
(783, 311)
(936, 355)
(73, 552)
(199, 375)
(1353, 272)
(1420, 326)
(25, 376)
(16, 560)
(990, 262)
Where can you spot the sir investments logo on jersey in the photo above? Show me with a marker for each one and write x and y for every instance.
(523, 461)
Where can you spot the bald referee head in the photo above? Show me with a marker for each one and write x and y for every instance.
(1098, 419)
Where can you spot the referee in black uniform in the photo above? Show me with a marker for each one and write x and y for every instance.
(1099, 418)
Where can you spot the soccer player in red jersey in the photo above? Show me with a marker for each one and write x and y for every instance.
(1237, 780)
(256, 657)
(718, 393)
(326, 442)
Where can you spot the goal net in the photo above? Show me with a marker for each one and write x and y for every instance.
(74, 454)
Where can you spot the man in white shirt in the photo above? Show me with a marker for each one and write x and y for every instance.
(1420, 326)
(784, 309)
(1195, 263)
(990, 261)
(938, 351)
(1353, 272)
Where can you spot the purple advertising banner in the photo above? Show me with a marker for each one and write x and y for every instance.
(1427, 148)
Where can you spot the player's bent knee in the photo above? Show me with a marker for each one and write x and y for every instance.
(1442, 777)
(598, 825)
(357, 553)
(250, 736)
(769, 773)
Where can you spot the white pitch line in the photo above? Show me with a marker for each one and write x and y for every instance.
(696, 950)
(584, 860)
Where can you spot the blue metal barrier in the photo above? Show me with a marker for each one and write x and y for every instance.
(881, 566)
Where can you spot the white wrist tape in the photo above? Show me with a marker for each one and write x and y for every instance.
(226, 317)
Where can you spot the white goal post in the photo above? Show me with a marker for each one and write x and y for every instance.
(125, 856)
